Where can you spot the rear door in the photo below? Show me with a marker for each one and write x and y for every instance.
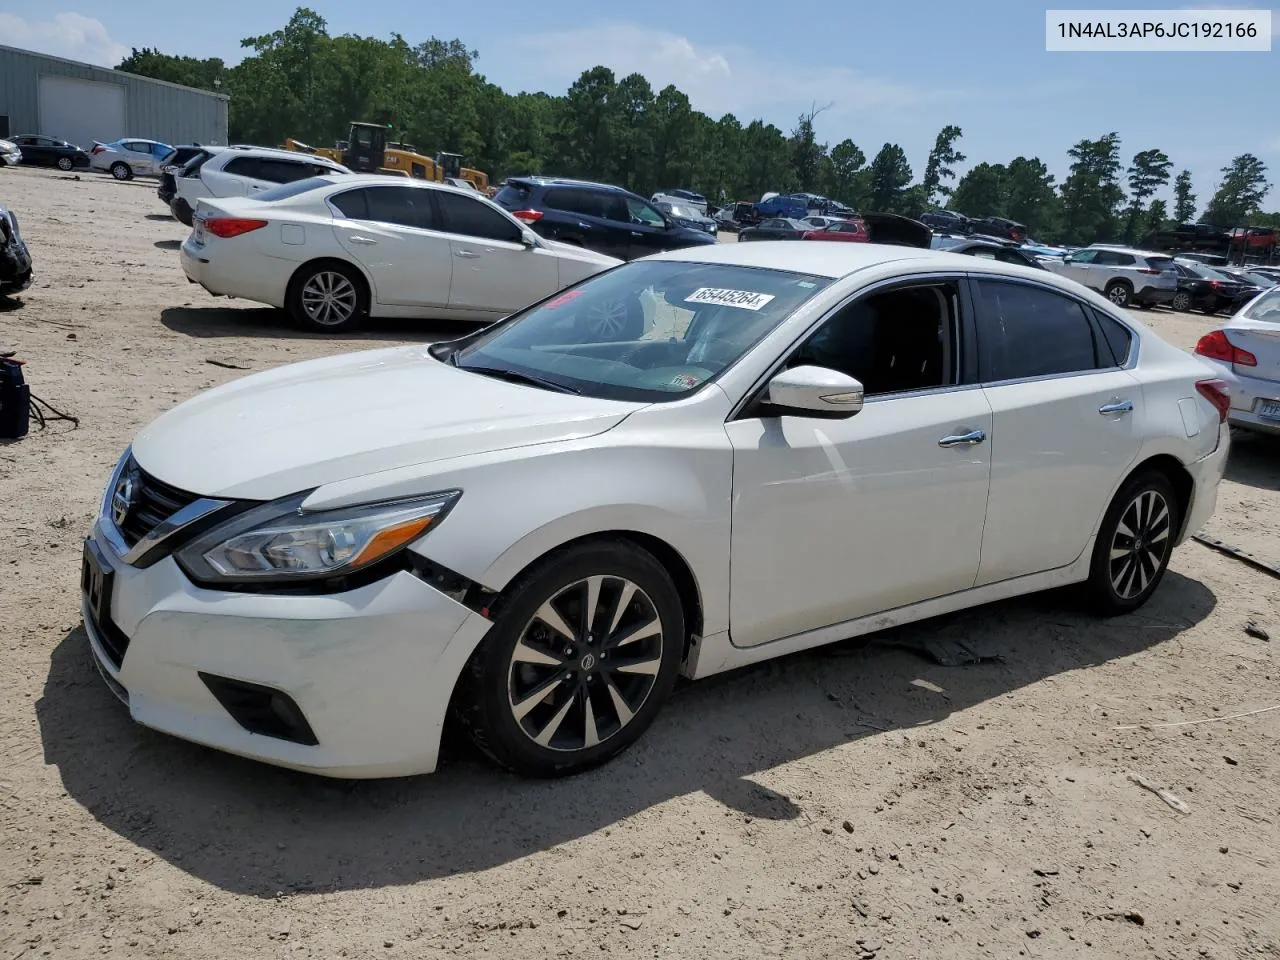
(1065, 413)
(493, 271)
(138, 156)
(593, 216)
(390, 231)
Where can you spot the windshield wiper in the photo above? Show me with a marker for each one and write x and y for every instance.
(515, 376)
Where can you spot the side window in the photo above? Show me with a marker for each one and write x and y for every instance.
(571, 201)
(1105, 258)
(354, 204)
(475, 219)
(1085, 256)
(402, 206)
(1116, 339)
(160, 150)
(892, 341)
(1026, 331)
(244, 167)
(641, 213)
(282, 171)
(1124, 260)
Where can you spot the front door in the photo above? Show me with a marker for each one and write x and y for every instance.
(493, 271)
(648, 228)
(1065, 429)
(383, 230)
(838, 519)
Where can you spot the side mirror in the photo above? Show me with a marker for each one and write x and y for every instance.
(529, 240)
(810, 391)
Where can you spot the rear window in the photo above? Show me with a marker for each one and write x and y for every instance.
(285, 191)
(194, 164)
(513, 196)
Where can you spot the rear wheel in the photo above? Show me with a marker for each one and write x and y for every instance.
(1119, 293)
(120, 170)
(1132, 551)
(64, 163)
(327, 298)
(583, 652)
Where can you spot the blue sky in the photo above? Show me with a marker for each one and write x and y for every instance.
(891, 71)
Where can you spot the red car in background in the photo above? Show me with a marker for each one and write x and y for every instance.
(847, 231)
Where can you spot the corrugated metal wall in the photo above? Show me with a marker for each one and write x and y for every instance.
(154, 110)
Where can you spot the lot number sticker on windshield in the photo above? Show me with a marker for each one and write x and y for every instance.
(743, 299)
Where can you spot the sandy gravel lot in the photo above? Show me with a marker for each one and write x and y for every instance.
(859, 801)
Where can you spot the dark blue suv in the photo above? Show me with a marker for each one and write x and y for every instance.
(596, 216)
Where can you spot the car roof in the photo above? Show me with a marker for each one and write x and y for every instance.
(1120, 248)
(277, 152)
(382, 180)
(542, 181)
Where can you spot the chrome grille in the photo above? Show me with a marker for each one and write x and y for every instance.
(153, 503)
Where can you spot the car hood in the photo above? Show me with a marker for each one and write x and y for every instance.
(307, 424)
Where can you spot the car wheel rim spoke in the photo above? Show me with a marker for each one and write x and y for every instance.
(568, 688)
(329, 298)
(1140, 544)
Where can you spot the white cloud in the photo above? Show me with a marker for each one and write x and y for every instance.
(719, 79)
(70, 35)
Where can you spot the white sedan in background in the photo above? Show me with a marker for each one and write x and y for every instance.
(332, 250)
(543, 527)
(1247, 351)
(126, 159)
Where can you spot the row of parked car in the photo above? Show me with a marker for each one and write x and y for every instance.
(124, 159)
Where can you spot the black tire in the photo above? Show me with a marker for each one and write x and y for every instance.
(1148, 507)
(121, 170)
(1181, 302)
(495, 685)
(65, 164)
(181, 211)
(1119, 292)
(615, 320)
(311, 281)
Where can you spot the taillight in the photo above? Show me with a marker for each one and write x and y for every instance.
(97, 148)
(528, 216)
(1149, 271)
(1216, 346)
(1214, 284)
(228, 227)
(1215, 391)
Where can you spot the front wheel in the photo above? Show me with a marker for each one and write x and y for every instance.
(121, 171)
(1181, 302)
(327, 298)
(583, 652)
(1134, 543)
(65, 164)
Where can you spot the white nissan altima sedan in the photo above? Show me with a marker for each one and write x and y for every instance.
(544, 528)
(332, 250)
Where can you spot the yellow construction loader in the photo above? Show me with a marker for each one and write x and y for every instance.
(367, 150)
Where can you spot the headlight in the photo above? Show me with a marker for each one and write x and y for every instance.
(280, 542)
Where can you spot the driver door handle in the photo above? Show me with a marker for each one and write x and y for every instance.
(1117, 406)
(359, 239)
(636, 233)
(963, 439)
(466, 254)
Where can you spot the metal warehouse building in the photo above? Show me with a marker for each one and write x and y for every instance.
(82, 103)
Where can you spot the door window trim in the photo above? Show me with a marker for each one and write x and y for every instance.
(966, 333)
(1089, 309)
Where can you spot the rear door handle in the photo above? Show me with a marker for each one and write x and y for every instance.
(636, 233)
(466, 254)
(360, 239)
(963, 439)
(1118, 406)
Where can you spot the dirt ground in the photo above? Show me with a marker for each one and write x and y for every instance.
(858, 801)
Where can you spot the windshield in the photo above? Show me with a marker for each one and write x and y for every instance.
(645, 331)
(680, 210)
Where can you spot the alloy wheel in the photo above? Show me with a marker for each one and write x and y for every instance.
(329, 298)
(607, 320)
(1119, 295)
(585, 663)
(1181, 301)
(1140, 544)
(64, 163)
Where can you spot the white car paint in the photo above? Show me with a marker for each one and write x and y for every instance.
(1254, 373)
(410, 271)
(796, 531)
(128, 157)
(218, 176)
